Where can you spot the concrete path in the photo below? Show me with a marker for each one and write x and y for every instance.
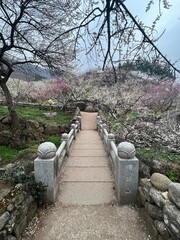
(86, 208)
(87, 179)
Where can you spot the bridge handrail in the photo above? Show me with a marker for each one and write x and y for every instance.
(113, 153)
(49, 162)
(124, 163)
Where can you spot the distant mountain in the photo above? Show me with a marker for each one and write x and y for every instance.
(31, 72)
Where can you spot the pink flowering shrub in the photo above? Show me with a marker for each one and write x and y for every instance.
(160, 96)
(58, 90)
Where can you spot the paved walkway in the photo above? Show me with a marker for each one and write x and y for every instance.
(87, 179)
(86, 207)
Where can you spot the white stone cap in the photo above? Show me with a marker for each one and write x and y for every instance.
(46, 150)
(64, 137)
(126, 150)
(111, 136)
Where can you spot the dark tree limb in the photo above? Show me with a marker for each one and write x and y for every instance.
(146, 38)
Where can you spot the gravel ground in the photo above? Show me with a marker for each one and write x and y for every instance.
(90, 223)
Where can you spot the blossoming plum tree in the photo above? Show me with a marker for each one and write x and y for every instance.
(160, 97)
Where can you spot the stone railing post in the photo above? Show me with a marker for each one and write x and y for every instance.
(79, 120)
(98, 119)
(78, 124)
(65, 137)
(104, 126)
(73, 126)
(127, 172)
(46, 169)
(104, 135)
(111, 138)
(100, 127)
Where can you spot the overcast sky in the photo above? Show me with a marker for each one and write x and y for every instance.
(169, 43)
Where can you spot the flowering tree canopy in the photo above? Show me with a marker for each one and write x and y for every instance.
(160, 96)
(58, 90)
(31, 32)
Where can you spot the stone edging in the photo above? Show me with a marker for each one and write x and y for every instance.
(17, 208)
(161, 199)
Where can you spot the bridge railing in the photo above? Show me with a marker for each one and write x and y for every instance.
(49, 161)
(124, 163)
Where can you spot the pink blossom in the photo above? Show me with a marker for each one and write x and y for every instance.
(160, 95)
(58, 89)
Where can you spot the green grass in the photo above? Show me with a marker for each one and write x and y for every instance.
(9, 155)
(132, 115)
(172, 176)
(39, 115)
(162, 154)
(54, 139)
(3, 111)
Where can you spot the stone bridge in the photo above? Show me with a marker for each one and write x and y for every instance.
(95, 166)
(89, 194)
(94, 185)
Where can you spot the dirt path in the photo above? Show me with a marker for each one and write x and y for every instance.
(86, 207)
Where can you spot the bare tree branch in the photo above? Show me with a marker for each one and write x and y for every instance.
(146, 38)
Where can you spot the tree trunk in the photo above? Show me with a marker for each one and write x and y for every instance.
(10, 106)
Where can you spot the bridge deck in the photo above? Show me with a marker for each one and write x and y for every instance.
(86, 208)
(87, 179)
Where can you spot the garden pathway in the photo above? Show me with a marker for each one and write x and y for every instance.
(86, 207)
